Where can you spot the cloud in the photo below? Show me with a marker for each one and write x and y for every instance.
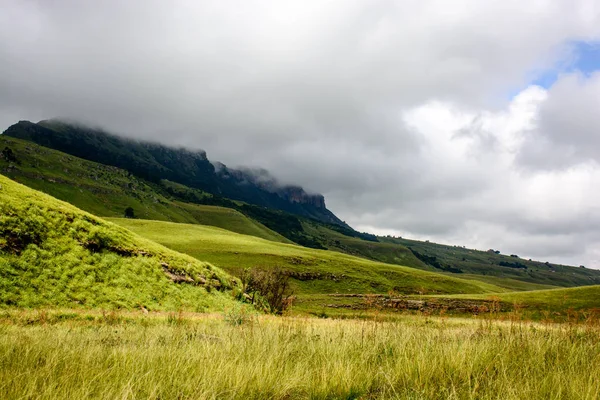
(399, 112)
(567, 133)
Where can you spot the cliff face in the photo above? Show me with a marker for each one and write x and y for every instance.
(298, 195)
(154, 162)
(262, 179)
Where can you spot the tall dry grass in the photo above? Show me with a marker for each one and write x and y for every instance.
(46, 355)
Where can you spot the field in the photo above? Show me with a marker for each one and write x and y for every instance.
(585, 299)
(69, 355)
(316, 271)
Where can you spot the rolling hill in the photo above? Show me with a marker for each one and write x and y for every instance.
(53, 254)
(107, 191)
(502, 270)
(314, 271)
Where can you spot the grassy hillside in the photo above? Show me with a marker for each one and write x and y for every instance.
(500, 269)
(107, 191)
(155, 162)
(390, 253)
(53, 254)
(315, 271)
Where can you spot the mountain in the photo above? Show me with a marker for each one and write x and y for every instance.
(155, 162)
(107, 191)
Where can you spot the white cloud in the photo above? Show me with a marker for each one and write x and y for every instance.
(398, 111)
(472, 190)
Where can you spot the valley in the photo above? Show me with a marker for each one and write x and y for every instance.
(100, 264)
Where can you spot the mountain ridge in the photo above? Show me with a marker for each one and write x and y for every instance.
(107, 191)
(154, 162)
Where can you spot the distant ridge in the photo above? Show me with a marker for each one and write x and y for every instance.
(155, 162)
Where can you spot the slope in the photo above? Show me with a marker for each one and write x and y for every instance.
(53, 254)
(497, 268)
(155, 162)
(314, 271)
(107, 191)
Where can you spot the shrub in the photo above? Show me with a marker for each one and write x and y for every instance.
(268, 289)
(129, 213)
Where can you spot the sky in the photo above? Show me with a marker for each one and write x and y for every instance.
(466, 122)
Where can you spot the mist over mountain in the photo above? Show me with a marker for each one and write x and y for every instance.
(156, 162)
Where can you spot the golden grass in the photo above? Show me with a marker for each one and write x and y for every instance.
(66, 355)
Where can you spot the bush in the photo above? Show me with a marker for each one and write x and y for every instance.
(268, 289)
(129, 213)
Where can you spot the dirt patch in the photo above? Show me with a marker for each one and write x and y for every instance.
(381, 301)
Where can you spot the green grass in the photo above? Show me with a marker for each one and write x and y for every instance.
(53, 254)
(553, 300)
(508, 283)
(390, 253)
(230, 219)
(486, 266)
(65, 355)
(325, 271)
(107, 191)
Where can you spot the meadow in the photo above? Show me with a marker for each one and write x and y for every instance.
(318, 271)
(74, 355)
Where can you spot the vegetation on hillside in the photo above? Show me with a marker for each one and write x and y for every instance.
(109, 191)
(491, 265)
(53, 254)
(313, 271)
(154, 162)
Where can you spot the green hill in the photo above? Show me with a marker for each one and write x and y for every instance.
(500, 269)
(53, 254)
(107, 191)
(313, 271)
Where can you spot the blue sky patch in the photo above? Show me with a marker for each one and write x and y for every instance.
(584, 58)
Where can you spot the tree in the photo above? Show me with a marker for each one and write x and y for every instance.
(129, 213)
(9, 155)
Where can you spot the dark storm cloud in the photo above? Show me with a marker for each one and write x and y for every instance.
(396, 110)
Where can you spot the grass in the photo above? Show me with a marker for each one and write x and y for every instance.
(550, 301)
(53, 254)
(317, 271)
(67, 355)
(107, 191)
(389, 253)
(511, 272)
